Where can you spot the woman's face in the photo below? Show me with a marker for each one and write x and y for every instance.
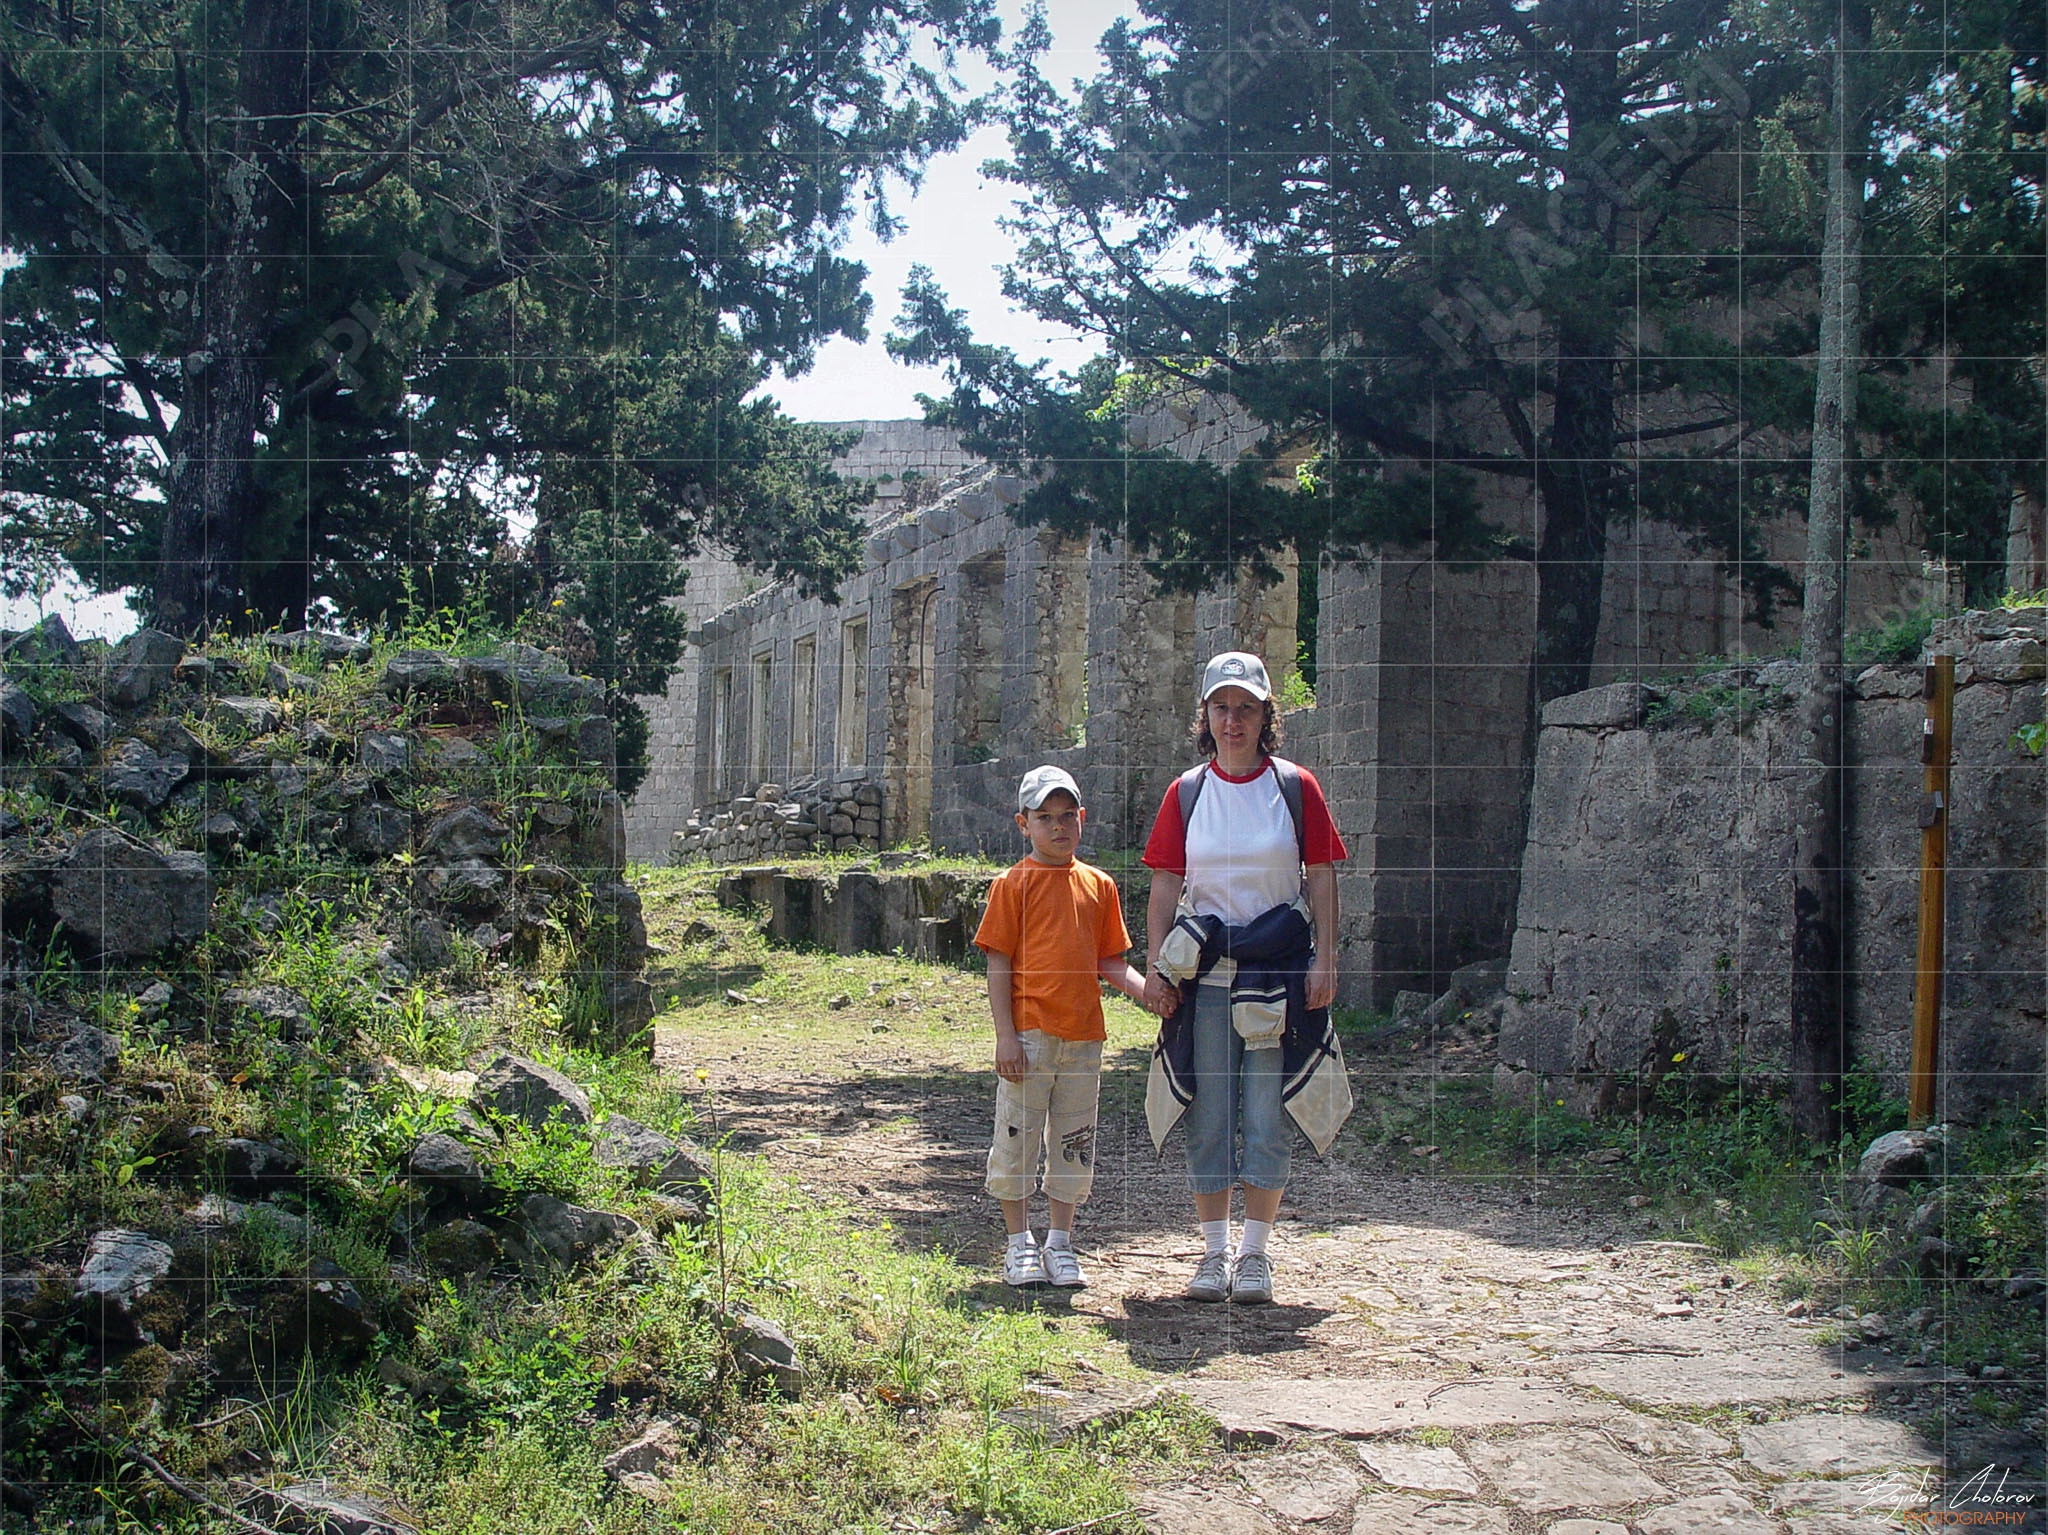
(1235, 720)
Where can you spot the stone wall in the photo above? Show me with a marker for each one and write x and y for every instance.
(662, 802)
(1656, 888)
(982, 648)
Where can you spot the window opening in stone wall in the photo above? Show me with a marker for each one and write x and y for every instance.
(853, 693)
(764, 677)
(979, 705)
(911, 636)
(1063, 640)
(803, 706)
(721, 731)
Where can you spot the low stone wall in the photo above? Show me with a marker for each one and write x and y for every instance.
(839, 814)
(931, 916)
(1656, 910)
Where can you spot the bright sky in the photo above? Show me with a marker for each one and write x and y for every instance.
(950, 226)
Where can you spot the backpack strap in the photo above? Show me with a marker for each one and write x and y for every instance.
(1286, 772)
(1190, 790)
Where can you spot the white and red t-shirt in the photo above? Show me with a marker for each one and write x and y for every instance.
(1237, 852)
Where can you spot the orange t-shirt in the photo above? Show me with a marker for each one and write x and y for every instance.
(1055, 923)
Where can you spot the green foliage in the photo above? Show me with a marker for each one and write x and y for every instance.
(1895, 641)
(2030, 739)
(1732, 705)
(509, 329)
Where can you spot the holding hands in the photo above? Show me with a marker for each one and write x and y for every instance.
(1161, 995)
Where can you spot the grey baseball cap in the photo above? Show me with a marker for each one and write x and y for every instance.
(1040, 782)
(1236, 669)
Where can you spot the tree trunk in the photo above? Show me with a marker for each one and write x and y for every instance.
(210, 496)
(1819, 1025)
(1575, 481)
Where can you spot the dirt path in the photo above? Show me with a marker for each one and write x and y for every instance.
(1448, 1353)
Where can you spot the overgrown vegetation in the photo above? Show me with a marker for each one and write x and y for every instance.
(322, 1319)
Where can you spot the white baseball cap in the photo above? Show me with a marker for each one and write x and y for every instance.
(1042, 781)
(1236, 669)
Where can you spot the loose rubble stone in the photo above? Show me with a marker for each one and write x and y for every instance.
(419, 671)
(377, 830)
(254, 1168)
(128, 900)
(1901, 1157)
(17, 715)
(312, 1508)
(443, 1165)
(1309, 1485)
(1833, 1444)
(465, 832)
(88, 728)
(460, 1247)
(254, 716)
(121, 1269)
(571, 1234)
(85, 1055)
(469, 884)
(526, 1090)
(656, 1448)
(282, 679)
(323, 645)
(143, 663)
(1574, 1468)
(764, 1353)
(136, 776)
(383, 752)
(283, 1009)
(47, 643)
(1420, 1468)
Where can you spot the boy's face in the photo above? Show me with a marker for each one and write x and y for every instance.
(1054, 827)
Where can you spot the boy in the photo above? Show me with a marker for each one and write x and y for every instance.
(1054, 928)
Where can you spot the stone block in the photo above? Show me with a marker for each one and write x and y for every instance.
(1618, 706)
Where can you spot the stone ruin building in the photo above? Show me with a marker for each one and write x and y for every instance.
(968, 648)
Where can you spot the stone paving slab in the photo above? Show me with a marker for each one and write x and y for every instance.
(1795, 1373)
(1573, 1468)
(1834, 1444)
(1309, 1485)
(1420, 1468)
(1586, 1527)
(1717, 1513)
(1666, 1437)
(1366, 1409)
(1393, 1514)
(1200, 1511)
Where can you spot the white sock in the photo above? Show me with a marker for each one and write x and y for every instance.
(1252, 1238)
(1054, 1237)
(1216, 1237)
(1022, 1242)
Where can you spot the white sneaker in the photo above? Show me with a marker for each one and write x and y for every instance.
(1251, 1282)
(1063, 1268)
(1212, 1279)
(1023, 1268)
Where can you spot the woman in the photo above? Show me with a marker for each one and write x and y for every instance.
(1241, 950)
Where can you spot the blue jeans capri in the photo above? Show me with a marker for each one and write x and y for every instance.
(1237, 1091)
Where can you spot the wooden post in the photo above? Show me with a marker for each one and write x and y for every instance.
(1936, 741)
